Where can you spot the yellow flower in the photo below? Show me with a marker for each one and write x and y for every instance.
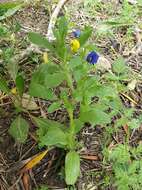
(14, 91)
(45, 57)
(75, 45)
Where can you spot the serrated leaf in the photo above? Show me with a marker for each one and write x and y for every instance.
(134, 124)
(119, 66)
(75, 62)
(40, 41)
(3, 85)
(121, 122)
(19, 129)
(105, 92)
(53, 107)
(72, 167)
(111, 77)
(95, 117)
(120, 154)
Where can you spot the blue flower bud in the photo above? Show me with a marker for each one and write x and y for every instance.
(76, 33)
(92, 57)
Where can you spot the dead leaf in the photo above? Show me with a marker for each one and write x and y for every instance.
(133, 2)
(132, 84)
(103, 64)
(26, 181)
(89, 157)
(29, 103)
(34, 161)
(129, 98)
(125, 127)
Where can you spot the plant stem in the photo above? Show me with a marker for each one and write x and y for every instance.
(68, 76)
(70, 110)
(72, 125)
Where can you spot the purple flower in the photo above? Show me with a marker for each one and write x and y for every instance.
(92, 57)
(76, 33)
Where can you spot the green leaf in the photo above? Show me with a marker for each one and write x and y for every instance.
(43, 188)
(134, 124)
(72, 167)
(50, 132)
(60, 35)
(37, 90)
(53, 107)
(95, 117)
(3, 85)
(111, 77)
(115, 104)
(120, 154)
(19, 129)
(75, 62)
(105, 91)
(40, 41)
(121, 122)
(38, 86)
(119, 66)
(78, 125)
(20, 84)
(10, 12)
(42, 71)
(54, 137)
(63, 27)
(53, 80)
(85, 35)
(9, 5)
(44, 124)
(3, 32)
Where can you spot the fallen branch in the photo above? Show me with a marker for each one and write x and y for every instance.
(49, 35)
(53, 20)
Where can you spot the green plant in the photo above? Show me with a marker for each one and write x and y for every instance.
(87, 96)
(127, 166)
(96, 97)
(126, 18)
(7, 9)
(42, 188)
(12, 82)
